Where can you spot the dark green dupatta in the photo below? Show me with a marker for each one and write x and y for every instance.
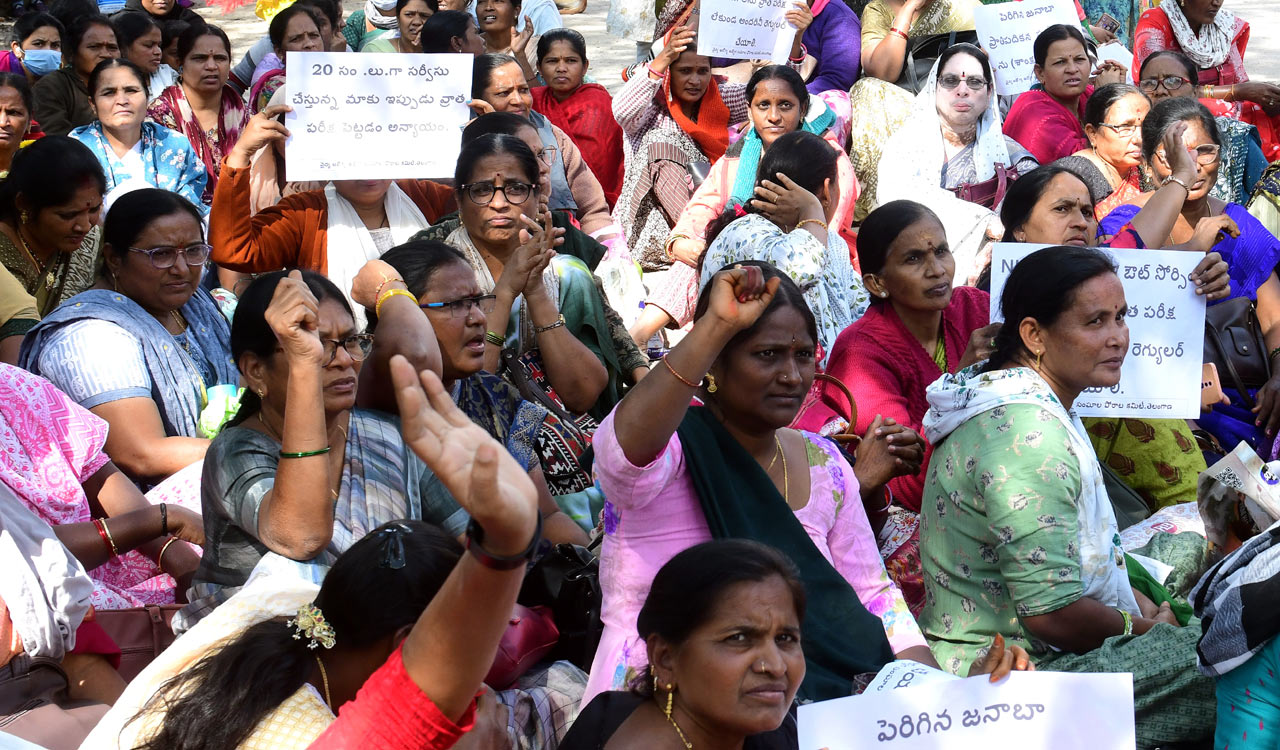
(841, 638)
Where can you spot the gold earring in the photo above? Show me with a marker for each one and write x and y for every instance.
(711, 383)
(24, 217)
(1039, 356)
(671, 693)
(262, 393)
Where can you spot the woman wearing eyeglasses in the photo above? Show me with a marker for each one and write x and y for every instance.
(954, 141)
(145, 347)
(1250, 251)
(1113, 124)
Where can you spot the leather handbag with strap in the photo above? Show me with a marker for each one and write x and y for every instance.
(1233, 341)
(567, 581)
(847, 438)
(140, 632)
(988, 193)
(921, 54)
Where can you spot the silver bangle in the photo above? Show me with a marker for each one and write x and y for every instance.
(1171, 178)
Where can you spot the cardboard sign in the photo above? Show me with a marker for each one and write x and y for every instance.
(1026, 709)
(1008, 31)
(1161, 373)
(375, 116)
(746, 29)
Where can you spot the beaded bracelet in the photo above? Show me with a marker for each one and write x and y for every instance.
(377, 308)
(304, 454)
(386, 280)
(819, 222)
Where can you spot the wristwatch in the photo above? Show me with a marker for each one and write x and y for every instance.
(475, 545)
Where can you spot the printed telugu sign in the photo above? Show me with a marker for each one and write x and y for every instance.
(1027, 709)
(1161, 373)
(745, 29)
(904, 673)
(1008, 31)
(375, 116)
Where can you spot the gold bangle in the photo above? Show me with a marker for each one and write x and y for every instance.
(165, 548)
(495, 339)
(819, 222)
(543, 329)
(1232, 94)
(678, 376)
(115, 551)
(666, 249)
(377, 308)
(387, 280)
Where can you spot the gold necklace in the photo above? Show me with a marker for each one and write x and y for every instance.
(50, 279)
(786, 480)
(324, 676)
(687, 744)
(774, 460)
(183, 325)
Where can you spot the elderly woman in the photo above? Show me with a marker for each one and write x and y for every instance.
(1048, 122)
(36, 47)
(1113, 124)
(135, 153)
(50, 207)
(62, 97)
(788, 225)
(146, 349)
(140, 38)
(294, 29)
(334, 230)
(15, 117)
(952, 155)
(410, 17)
(1215, 40)
(203, 106)
(1167, 74)
(1012, 549)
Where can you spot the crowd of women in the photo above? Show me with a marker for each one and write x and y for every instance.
(331, 435)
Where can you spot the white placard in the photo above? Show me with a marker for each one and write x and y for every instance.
(1161, 373)
(746, 29)
(904, 673)
(1027, 709)
(1008, 31)
(1116, 52)
(375, 116)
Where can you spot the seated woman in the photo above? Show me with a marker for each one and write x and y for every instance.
(581, 110)
(778, 104)
(203, 106)
(376, 18)
(53, 459)
(451, 326)
(334, 230)
(1167, 74)
(920, 325)
(294, 29)
(62, 97)
(880, 107)
(548, 309)
(35, 47)
(452, 31)
(407, 37)
(954, 141)
(498, 81)
(164, 10)
(146, 349)
(675, 476)
(50, 208)
(787, 225)
(1249, 249)
(139, 36)
(1215, 40)
(16, 124)
(1048, 122)
(1017, 536)
(504, 30)
(135, 153)
(1113, 124)
(261, 58)
(299, 471)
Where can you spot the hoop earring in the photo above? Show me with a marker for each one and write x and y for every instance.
(711, 383)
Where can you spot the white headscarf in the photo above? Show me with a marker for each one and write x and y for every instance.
(911, 169)
(381, 13)
(1211, 46)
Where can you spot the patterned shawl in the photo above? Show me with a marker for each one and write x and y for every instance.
(168, 161)
(172, 110)
(71, 273)
(1235, 602)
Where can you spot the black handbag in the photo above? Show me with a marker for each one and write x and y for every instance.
(1233, 342)
(567, 581)
(923, 51)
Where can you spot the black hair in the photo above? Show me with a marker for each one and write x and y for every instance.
(328, 8)
(882, 226)
(1173, 110)
(172, 29)
(68, 11)
(1042, 286)
(574, 39)
(1056, 33)
(434, 5)
(417, 261)
(48, 173)
(440, 29)
(134, 211)
(1088, 173)
(132, 26)
(1025, 193)
(117, 62)
(26, 26)
(19, 83)
(79, 28)
(365, 597)
(482, 71)
(280, 23)
(250, 331)
(687, 590)
(190, 35)
(492, 145)
(1095, 110)
(788, 295)
(780, 73)
(499, 123)
(1188, 67)
(804, 157)
(966, 49)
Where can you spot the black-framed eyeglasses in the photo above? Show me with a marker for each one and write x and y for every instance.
(547, 155)
(481, 193)
(1170, 83)
(357, 345)
(950, 81)
(1124, 131)
(460, 308)
(166, 256)
(1204, 154)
